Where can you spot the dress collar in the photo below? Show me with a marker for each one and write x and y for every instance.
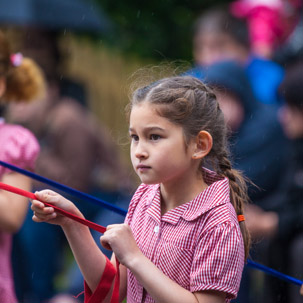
(215, 194)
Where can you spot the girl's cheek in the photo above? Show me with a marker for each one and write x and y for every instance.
(132, 158)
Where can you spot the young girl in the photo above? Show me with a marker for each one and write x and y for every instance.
(181, 241)
(20, 80)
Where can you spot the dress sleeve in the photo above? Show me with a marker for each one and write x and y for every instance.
(19, 147)
(218, 261)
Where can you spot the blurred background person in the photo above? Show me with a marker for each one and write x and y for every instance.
(289, 232)
(222, 34)
(258, 145)
(286, 243)
(259, 150)
(219, 36)
(20, 80)
(77, 151)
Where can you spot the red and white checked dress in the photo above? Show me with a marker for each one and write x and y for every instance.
(198, 245)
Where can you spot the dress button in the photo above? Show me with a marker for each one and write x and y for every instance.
(156, 229)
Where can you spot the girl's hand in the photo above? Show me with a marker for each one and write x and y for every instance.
(44, 213)
(301, 290)
(119, 238)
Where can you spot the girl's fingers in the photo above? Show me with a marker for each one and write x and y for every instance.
(111, 226)
(109, 236)
(51, 197)
(113, 234)
(39, 207)
(43, 218)
(47, 196)
(37, 204)
(36, 219)
(42, 213)
(47, 192)
(104, 243)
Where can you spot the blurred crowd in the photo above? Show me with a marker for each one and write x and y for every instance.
(251, 53)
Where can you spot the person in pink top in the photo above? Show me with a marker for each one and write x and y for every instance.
(270, 22)
(184, 238)
(20, 79)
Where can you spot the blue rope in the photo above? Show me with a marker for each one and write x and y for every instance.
(65, 188)
(273, 272)
(123, 212)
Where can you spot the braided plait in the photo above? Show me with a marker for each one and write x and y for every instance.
(238, 193)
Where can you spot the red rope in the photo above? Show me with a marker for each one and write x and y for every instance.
(32, 196)
(97, 227)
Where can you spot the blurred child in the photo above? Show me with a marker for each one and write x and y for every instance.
(182, 212)
(20, 80)
(260, 151)
(264, 161)
(219, 36)
(78, 151)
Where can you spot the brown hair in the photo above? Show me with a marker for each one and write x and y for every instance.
(188, 102)
(24, 82)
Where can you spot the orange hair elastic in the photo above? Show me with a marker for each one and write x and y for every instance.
(241, 218)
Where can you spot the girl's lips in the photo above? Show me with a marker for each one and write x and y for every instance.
(142, 167)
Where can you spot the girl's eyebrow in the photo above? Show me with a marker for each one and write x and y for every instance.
(149, 128)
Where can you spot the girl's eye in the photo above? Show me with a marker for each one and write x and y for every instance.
(154, 137)
(134, 137)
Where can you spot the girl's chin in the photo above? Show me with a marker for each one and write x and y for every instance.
(149, 181)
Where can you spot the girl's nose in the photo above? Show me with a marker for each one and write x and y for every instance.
(141, 151)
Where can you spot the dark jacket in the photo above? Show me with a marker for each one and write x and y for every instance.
(290, 197)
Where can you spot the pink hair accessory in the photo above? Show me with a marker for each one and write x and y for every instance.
(16, 59)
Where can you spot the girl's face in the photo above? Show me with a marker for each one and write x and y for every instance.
(213, 46)
(158, 150)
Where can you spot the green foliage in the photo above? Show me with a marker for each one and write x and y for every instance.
(154, 29)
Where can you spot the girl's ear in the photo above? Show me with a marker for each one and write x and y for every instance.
(204, 143)
(2, 86)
